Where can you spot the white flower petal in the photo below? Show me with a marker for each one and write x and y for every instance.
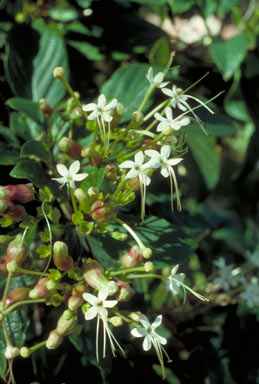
(61, 180)
(127, 164)
(111, 105)
(103, 293)
(91, 313)
(62, 170)
(110, 303)
(167, 92)
(74, 167)
(164, 171)
(90, 298)
(132, 174)
(159, 117)
(169, 113)
(174, 161)
(160, 339)
(138, 332)
(93, 115)
(144, 321)
(152, 153)
(80, 176)
(89, 107)
(157, 322)
(139, 158)
(174, 270)
(106, 117)
(101, 101)
(147, 343)
(165, 151)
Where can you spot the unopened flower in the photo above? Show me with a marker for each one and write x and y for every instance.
(162, 160)
(156, 80)
(99, 112)
(137, 169)
(69, 175)
(11, 352)
(151, 337)
(98, 309)
(169, 121)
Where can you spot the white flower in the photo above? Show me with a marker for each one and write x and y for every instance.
(151, 337)
(228, 276)
(169, 121)
(137, 169)
(69, 176)
(156, 80)
(251, 293)
(101, 115)
(174, 280)
(11, 352)
(161, 160)
(98, 309)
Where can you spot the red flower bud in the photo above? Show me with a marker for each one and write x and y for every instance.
(102, 211)
(16, 295)
(45, 108)
(71, 148)
(61, 258)
(133, 258)
(43, 289)
(124, 292)
(17, 252)
(11, 210)
(20, 192)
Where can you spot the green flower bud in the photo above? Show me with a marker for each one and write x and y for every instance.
(124, 292)
(74, 302)
(41, 289)
(61, 258)
(25, 352)
(117, 114)
(58, 72)
(111, 171)
(54, 340)
(146, 253)
(149, 266)
(66, 323)
(45, 108)
(12, 266)
(116, 321)
(16, 251)
(93, 193)
(136, 120)
(93, 274)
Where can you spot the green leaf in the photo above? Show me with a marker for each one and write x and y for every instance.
(55, 215)
(25, 127)
(44, 251)
(9, 136)
(45, 236)
(237, 109)
(150, 2)
(180, 6)
(29, 66)
(55, 274)
(225, 6)
(88, 50)
(104, 250)
(206, 155)
(160, 52)
(77, 218)
(36, 149)
(17, 323)
(129, 85)
(229, 54)
(62, 14)
(94, 179)
(30, 108)
(45, 195)
(32, 171)
(8, 156)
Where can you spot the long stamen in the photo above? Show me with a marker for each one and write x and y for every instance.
(97, 339)
(200, 102)
(176, 189)
(172, 188)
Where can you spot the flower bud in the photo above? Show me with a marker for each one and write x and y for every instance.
(111, 171)
(11, 210)
(16, 295)
(133, 184)
(54, 340)
(93, 274)
(149, 266)
(16, 251)
(117, 114)
(146, 253)
(74, 302)
(124, 292)
(93, 193)
(3, 266)
(20, 192)
(42, 289)
(58, 72)
(116, 321)
(102, 211)
(45, 108)
(70, 147)
(94, 156)
(83, 199)
(79, 289)
(61, 258)
(66, 323)
(135, 316)
(136, 120)
(168, 131)
(133, 258)
(25, 352)
(11, 352)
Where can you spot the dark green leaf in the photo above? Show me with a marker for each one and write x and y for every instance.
(17, 323)
(129, 85)
(32, 171)
(26, 106)
(94, 179)
(36, 149)
(8, 156)
(150, 2)
(180, 6)
(104, 249)
(88, 50)
(206, 155)
(29, 66)
(229, 54)
(24, 127)
(160, 52)
(9, 136)
(237, 109)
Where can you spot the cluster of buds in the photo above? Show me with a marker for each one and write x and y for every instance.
(93, 274)
(17, 251)
(133, 258)
(10, 195)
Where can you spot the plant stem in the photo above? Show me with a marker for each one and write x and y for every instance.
(15, 305)
(133, 234)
